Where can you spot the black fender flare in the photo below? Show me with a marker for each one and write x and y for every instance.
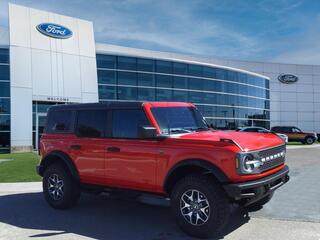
(48, 159)
(196, 163)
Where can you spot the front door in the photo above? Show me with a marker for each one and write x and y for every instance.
(40, 125)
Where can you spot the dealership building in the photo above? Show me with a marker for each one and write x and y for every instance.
(47, 59)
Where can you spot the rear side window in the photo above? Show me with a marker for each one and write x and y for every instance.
(251, 130)
(91, 123)
(59, 121)
(125, 123)
(276, 129)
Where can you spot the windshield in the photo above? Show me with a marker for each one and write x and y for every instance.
(179, 119)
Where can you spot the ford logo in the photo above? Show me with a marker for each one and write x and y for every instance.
(54, 30)
(288, 78)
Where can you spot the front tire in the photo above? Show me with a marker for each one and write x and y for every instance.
(309, 140)
(200, 205)
(60, 189)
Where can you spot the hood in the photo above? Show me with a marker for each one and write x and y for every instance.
(247, 141)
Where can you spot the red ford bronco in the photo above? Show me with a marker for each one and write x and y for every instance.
(161, 148)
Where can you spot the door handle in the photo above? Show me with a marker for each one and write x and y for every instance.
(113, 149)
(75, 147)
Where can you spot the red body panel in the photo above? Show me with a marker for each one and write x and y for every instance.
(144, 164)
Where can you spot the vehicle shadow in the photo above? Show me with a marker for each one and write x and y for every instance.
(99, 217)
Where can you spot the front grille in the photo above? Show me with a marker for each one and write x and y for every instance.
(272, 157)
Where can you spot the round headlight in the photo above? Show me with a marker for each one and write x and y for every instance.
(248, 166)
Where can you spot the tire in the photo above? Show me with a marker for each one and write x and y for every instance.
(60, 189)
(259, 204)
(213, 201)
(309, 140)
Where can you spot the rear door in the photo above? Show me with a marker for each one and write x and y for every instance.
(131, 161)
(89, 147)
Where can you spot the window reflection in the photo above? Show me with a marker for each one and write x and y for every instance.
(159, 80)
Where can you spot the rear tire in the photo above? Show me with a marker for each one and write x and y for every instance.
(309, 140)
(60, 189)
(200, 205)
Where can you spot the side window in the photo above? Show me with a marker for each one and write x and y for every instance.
(125, 123)
(250, 130)
(296, 130)
(91, 123)
(59, 121)
(287, 129)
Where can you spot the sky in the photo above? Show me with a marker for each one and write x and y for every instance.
(260, 30)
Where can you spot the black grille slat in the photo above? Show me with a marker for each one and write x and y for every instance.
(267, 165)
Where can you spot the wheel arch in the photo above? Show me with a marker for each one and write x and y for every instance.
(189, 166)
(60, 157)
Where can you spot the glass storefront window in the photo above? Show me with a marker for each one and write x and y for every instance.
(4, 105)
(148, 87)
(180, 68)
(146, 79)
(127, 93)
(146, 94)
(195, 70)
(164, 81)
(145, 65)
(232, 76)
(106, 61)
(242, 77)
(127, 63)
(196, 84)
(4, 89)
(163, 95)
(163, 66)
(106, 76)
(43, 107)
(221, 74)
(180, 96)
(127, 78)
(195, 97)
(4, 141)
(180, 82)
(209, 98)
(4, 122)
(107, 92)
(209, 72)
(4, 55)
(4, 72)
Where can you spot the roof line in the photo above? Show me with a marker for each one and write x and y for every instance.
(126, 51)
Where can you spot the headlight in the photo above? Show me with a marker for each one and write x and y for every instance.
(247, 164)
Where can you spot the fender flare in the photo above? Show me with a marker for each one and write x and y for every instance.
(198, 163)
(46, 161)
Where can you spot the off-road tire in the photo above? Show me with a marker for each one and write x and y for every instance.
(71, 187)
(219, 210)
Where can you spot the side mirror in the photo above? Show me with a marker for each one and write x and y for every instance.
(147, 132)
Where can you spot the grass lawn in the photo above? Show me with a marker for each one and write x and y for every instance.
(19, 167)
(299, 143)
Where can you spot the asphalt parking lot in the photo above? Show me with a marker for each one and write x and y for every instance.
(293, 213)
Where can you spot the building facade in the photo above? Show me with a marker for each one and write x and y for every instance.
(47, 59)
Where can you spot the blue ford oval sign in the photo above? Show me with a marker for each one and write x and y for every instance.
(54, 30)
(288, 78)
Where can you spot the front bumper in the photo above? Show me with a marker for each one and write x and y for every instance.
(255, 190)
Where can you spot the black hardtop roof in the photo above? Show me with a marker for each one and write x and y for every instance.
(109, 105)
